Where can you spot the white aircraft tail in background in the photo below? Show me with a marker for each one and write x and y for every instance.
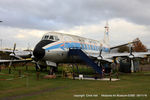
(106, 35)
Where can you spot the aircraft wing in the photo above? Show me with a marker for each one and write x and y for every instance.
(6, 51)
(136, 54)
(14, 61)
(122, 45)
(105, 58)
(109, 57)
(16, 51)
(18, 54)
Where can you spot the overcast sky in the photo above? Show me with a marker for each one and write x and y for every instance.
(25, 21)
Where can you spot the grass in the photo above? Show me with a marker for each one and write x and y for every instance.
(29, 88)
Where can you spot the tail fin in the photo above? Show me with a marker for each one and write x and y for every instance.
(106, 34)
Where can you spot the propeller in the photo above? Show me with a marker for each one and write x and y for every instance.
(100, 52)
(21, 55)
(12, 58)
(131, 52)
(13, 55)
(35, 61)
(13, 52)
(100, 57)
(131, 57)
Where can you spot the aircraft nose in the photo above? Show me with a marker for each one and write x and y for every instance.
(38, 53)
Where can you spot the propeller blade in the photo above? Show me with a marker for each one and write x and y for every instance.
(31, 53)
(10, 64)
(100, 52)
(131, 56)
(12, 58)
(131, 52)
(37, 66)
(14, 48)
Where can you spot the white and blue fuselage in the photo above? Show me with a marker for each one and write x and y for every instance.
(57, 50)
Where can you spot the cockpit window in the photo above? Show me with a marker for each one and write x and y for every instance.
(46, 37)
(50, 37)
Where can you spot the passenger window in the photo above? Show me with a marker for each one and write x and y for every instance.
(85, 46)
(90, 47)
(82, 46)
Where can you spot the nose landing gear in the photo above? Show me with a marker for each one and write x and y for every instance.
(52, 70)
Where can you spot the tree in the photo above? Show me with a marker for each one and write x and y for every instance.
(138, 46)
(123, 49)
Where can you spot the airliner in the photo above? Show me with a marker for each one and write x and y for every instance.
(54, 48)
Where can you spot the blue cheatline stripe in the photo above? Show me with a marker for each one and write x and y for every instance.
(55, 46)
(77, 45)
